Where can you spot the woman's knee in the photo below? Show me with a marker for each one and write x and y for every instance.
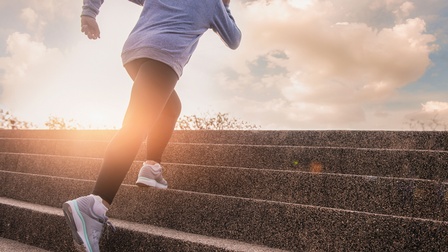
(173, 107)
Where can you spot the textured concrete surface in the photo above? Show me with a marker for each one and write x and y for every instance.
(274, 224)
(375, 162)
(426, 140)
(7, 245)
(395, 196)
(127, 237)
(292, 190)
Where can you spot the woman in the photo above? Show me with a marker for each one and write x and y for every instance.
(154, 55)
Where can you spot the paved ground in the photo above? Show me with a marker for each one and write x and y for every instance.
(7, 245)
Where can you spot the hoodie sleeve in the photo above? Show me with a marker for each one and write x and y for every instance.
(91, 8)
(224, 24)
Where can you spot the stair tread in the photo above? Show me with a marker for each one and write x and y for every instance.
(7, 245)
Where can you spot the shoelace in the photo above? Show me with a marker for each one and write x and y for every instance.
(96, 234)
(108, 226)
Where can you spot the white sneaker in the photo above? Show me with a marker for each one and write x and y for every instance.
(151, 175)
(86, 217)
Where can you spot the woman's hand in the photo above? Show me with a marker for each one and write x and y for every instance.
(89, 27)
(226, 2)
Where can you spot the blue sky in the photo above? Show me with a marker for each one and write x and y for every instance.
(302, 64)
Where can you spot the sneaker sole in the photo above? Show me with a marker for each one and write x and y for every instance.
(73, 221)
(146, 182)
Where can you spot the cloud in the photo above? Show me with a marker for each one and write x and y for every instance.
(405, 9)
(435, 106)
(84, 81)
(29, 16)
(53, 9)
(301, 64)
(39, 81)
(333, 68)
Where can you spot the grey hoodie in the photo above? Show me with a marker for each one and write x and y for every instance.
(169, 30)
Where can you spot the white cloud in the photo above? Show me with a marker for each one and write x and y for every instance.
(435, 106)
(301, 64)
(86, 81)
(52, 9)
(24, 53)
(406, 8)
(390, 5)
(29, 16)
(39, 81)
(33, 22)
(334, 67)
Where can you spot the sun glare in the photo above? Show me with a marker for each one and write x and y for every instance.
(93, 120)
(300, 4)
(96, 120)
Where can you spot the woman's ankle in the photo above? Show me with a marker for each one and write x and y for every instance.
(151, 162)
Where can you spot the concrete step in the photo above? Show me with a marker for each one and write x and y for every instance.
(7, 245)
(267, 223)
(421, 164)
(431, 140)
(290, 190)
(49, 230)
(383, 195)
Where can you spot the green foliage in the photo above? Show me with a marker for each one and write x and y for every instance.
(9, 121)
(220, 121)
(59, 123)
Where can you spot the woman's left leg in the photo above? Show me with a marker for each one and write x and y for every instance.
(160, 134)
(153, 85)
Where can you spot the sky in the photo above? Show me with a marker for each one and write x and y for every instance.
(301, 65)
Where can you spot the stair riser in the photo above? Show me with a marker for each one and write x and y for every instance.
(286, 226)
(403, 197)
(405, 164)
(409, 164)
(355, 139)
(54, 147)
(38, 229)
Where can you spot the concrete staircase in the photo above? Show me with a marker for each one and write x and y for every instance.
(238, 191)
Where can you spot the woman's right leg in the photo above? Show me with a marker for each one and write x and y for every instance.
(154, 83)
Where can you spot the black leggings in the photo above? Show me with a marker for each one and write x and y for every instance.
(152, 114)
